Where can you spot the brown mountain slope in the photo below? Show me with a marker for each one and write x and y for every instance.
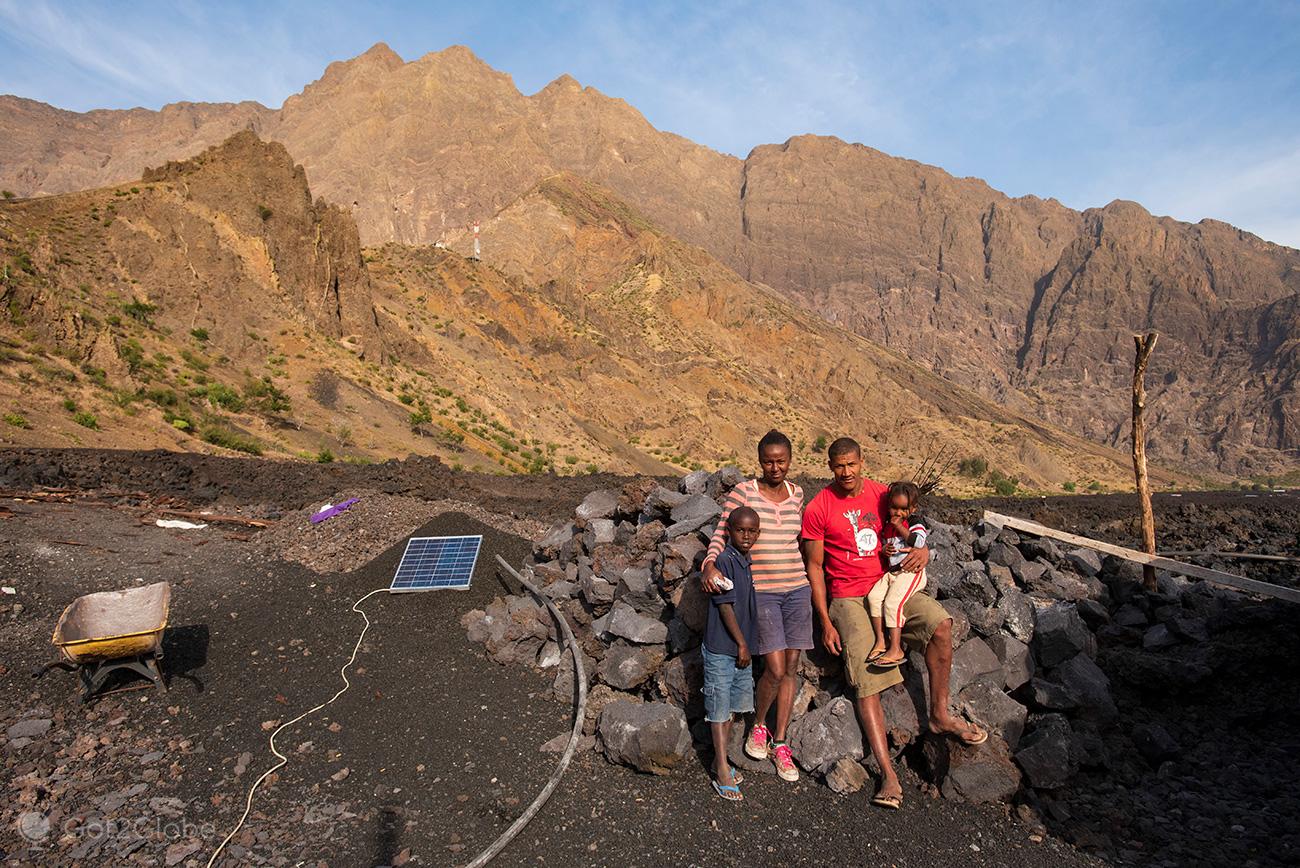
(1026, 301)
(652, 339)
(214, 304)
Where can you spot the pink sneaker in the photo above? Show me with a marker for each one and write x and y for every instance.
(756, 744)
(783, 759)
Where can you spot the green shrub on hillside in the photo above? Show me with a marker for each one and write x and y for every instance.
(266, 397)
(224, 397)
(86, 420)
(139, 310)
(1068, 486)
(18, 420)
(1002, 485)
(974, 467)
(324, 457)
(70, 405)
(224, 437)
(200, 335)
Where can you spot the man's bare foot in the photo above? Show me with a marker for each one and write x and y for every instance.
(966, 733)
(876, 651)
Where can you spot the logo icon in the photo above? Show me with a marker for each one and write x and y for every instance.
(33, 826)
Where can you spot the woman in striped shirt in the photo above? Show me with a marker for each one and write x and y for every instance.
(781, 587)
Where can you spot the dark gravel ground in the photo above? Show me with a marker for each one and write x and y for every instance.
(257, 640)
(440, 745)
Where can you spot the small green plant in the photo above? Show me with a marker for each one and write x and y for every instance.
(974, 467)
(98, 376)
(1068, 486)
(200, 335)
(420, 417)
(18, 420)
(135, 189)
(70, 405)
(224, 397)
(194, 361)
(224, 437)
(86, 420)
(132, 354)
(266, 397)
(264, 212)
(819, 445)
(8, 194)
(1094, 486)
(1003, 485)
(570, 459)
(139, 310)
(23, 260)
(591, 468)
(324, 457)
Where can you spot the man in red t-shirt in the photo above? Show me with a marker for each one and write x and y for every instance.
(842, 550)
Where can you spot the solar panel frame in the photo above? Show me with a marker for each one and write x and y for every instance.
(437, 563)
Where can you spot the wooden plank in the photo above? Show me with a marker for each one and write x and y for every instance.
(1217, 577)
(1244, 556)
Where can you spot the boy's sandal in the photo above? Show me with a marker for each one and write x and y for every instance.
(731, 793)
(888, 664)
(872, 658)
(893, 803)
(736, 776)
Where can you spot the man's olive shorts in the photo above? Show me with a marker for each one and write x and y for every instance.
(849, 615)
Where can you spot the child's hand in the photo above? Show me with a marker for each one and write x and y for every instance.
(742, 657)
(900, 523)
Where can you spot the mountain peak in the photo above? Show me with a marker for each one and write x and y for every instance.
(565, 83)
(380, 53)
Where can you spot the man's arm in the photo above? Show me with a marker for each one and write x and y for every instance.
(727, 612)
(814, 553)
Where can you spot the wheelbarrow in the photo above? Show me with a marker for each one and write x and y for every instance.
(113, 631)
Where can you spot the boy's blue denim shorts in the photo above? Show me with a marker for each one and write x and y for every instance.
(727, 690)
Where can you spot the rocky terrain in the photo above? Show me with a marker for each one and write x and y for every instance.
(1078, 673)
(216, 305)
(1158, 729)
(1024, 300)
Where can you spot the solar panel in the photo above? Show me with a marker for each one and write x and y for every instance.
(433, 562)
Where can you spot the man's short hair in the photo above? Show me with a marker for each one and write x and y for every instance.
(774, 438)
(742, 512)
(843, 446)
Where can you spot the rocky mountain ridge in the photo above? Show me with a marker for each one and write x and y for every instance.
(217, 305)
(1024, 300)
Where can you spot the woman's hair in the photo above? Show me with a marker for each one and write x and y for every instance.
(774, 438)
(911, 489)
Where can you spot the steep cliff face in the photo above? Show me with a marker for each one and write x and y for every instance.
(1024, 300)
(313, 249)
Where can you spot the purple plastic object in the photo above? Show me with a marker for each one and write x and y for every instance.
(333, 510)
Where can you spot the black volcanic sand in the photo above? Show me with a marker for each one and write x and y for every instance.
(421, 696)
(1229, 799)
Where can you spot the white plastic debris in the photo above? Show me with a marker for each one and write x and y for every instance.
(177, 524)
(8, 590)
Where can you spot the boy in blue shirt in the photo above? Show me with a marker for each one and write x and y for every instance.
(732, 627)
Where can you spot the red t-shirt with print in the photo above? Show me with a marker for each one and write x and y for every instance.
(850, 531)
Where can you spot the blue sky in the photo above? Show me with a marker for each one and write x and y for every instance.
(1192, 108)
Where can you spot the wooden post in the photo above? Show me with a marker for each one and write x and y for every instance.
(1144, 345)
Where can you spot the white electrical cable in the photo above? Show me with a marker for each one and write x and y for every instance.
(248, 806)
(579, 715)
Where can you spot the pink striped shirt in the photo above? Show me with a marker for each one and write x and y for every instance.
(778, 563)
